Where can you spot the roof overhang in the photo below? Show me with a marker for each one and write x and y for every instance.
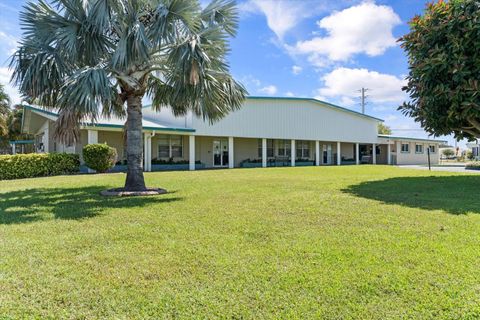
(113, 123)
(389, 138)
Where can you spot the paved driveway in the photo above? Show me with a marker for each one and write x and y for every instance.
(448, 168)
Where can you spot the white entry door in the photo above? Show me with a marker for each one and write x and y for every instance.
(220, 153)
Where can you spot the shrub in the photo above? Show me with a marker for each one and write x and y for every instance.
(38, 165)
(475, 165)
(469, 155)
(99, 157)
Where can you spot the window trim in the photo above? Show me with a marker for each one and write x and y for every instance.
(286, 145)
(419, 145)
(302, 146)
(434, 148)
(169, 138)
(404, 144)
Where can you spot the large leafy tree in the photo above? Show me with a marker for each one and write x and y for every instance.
(443, 48)
(4, 111)
(88, 58)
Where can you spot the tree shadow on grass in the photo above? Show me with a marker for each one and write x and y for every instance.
(453, 194)
(38, 204)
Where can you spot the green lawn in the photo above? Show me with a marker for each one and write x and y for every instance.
(334, 242)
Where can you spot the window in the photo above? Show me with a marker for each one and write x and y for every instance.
(405, 147)
(176, 146)
(269, 148)
(164, 147)
(303, 149)
(432, 149)
(284, 149)
(418, 148)
(170, 146)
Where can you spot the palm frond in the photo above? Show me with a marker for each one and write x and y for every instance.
(222, 13)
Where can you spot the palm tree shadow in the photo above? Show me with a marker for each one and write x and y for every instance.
(453, 194)
(65, 203)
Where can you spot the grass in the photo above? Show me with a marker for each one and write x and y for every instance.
(367, 242)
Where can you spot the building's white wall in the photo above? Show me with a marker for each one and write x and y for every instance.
(291, 119)
(412, 157)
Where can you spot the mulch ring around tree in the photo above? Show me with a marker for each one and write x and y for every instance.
(121, 192)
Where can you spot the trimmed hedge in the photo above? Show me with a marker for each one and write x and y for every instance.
(475, 165)
(38, 165)
(99, 157)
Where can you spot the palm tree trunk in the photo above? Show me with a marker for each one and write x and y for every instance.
(135, 180)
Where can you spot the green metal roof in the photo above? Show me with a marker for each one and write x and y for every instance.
(409, 138)
(21, 141)
(108, 125)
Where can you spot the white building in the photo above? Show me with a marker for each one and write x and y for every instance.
(265, 132)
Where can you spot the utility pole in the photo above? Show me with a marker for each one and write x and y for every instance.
(363, 98)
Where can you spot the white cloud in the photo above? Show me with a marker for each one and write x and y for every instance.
(270, 90)
(284, 15)
(5, 75)
(289, 94)
(390, 117)
(364, 28)
(296, 70)
(344, 83)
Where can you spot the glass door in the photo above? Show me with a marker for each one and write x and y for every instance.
(220, 153)
(327, 154)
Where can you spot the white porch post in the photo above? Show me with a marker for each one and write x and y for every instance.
(389, 153)
(14, 149)
(264, 153)
(339, 153)
(317, 153)
(374, 154)
(92, 138)
(293, 153)
(357, 153)
(46, 140)
(191, 152)
(230, 153)
(147, 152)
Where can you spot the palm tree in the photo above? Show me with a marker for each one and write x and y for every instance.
(87, 58)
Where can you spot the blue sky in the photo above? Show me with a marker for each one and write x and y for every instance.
(326, 49)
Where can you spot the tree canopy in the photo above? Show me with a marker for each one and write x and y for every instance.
(384, 129)
(443, 48)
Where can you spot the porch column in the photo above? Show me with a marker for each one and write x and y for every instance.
(389, 153)
(317, 153)
(339, 153)
(92, 138)
(264, 153)
(357, 153)
(191, 153)
(374, 154)
(293, 150)
(230, 153)
(14, 148)
(147, 152)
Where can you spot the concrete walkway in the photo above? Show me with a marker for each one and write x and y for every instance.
(447, 168)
